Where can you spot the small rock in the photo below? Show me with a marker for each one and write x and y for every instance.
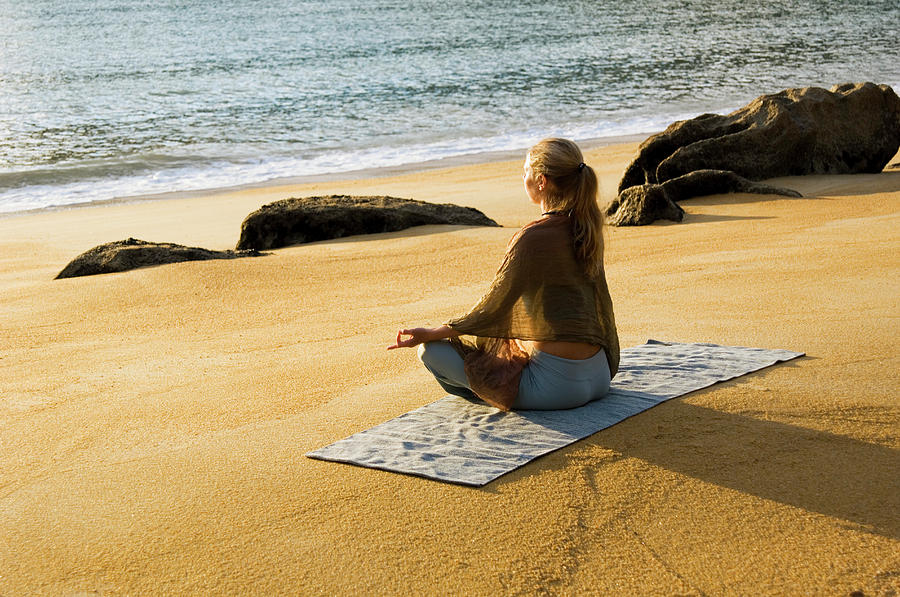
(641, 205)
(132, 253)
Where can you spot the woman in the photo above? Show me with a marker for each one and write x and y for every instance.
(545, 335)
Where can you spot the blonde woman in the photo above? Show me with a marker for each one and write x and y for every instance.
(543, 336)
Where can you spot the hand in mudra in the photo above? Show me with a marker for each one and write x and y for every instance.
(420, 335)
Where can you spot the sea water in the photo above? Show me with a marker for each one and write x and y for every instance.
(116, 98)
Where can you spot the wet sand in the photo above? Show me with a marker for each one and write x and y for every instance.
(153, 423)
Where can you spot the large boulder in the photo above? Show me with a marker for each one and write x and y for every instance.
(124, 255)
(849, 129)
(309, 219)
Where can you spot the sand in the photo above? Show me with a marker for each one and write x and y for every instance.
(153, 423)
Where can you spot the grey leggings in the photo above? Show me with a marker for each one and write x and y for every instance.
(548, 382)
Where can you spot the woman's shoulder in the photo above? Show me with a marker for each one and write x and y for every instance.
(544, 230)
(541, 240)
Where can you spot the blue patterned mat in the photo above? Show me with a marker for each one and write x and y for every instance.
(470, 443)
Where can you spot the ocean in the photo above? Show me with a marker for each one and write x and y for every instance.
(103, 99)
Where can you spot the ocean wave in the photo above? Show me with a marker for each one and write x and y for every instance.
(100, 180)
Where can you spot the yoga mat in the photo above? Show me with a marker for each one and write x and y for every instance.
(471, 443)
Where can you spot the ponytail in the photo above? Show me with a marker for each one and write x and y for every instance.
(575, 187)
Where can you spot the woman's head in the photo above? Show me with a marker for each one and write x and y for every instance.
(560, 162)
(569, 185)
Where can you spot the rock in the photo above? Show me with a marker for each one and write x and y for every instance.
(852, 128)
(714, 182)
(643, 204)
(309, 219)
(132, 253)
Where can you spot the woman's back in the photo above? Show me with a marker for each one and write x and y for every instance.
(544, 335)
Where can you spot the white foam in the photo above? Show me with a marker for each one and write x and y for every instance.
(218, 174)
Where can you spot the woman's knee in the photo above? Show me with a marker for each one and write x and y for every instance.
(425, 352)
(433, 354)
(443, 361)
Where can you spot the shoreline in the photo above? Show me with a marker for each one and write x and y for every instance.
(362, 174)
(467, 159)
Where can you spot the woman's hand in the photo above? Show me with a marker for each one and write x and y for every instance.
(420, 335)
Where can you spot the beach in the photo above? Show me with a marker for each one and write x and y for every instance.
(153, 423)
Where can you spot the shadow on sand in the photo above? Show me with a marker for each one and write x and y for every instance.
(817, 471)
(695, 218)
(814, 470)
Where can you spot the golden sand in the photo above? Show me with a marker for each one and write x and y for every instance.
(153, 423)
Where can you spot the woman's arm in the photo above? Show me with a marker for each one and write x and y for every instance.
(420, 335)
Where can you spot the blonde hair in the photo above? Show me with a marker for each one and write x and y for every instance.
(573, 189)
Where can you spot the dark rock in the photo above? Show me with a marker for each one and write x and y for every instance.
(714, 182)
(852, 128)
(309, 219)
(643, 204)
(132, 253)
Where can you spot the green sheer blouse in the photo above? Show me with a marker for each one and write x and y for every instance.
(540, 293)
